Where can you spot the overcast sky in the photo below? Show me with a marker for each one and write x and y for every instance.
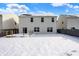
(39, 8)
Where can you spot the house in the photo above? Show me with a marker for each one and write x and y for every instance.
(68, 22)
(29, 23)
(61, 22)
(10, 23)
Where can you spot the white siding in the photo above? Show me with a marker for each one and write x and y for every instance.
(73, 23)
(9, 21)
(61, 19)
(69, 22)
(25, 22)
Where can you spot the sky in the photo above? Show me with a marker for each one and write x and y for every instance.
(39, 8)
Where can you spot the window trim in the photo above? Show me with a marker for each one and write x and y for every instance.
(49, 29)
(42, 19)
(36, 29)
(53, 19)
(31, 19)
(24, 29)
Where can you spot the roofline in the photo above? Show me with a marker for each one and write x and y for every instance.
(38, 15)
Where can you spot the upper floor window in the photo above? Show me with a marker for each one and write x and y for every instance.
(31, 20)
(42, 19)
(52, 19)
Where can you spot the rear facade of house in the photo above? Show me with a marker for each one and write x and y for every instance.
(37, 24)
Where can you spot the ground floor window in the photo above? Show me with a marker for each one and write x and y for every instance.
(25, 30)
(72, 28)
(49, 29)
(36, 29)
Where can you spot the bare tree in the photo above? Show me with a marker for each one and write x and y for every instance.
(30, 33)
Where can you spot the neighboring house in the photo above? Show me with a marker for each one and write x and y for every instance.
(62, 22)
(72, 22)
(10, 23)
(0, 23)
(68, 22)
(37, 23)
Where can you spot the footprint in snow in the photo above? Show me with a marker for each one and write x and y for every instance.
(70, 53)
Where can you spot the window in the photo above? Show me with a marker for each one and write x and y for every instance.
(49, 29)
(52, 19)
(36, 29)
(15, 23)
(31, 20)
(25, 30)
(62, 22)
(42, 19)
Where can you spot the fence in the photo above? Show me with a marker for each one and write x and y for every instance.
(73, 32)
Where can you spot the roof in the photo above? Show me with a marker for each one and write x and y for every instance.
(36, 15)
(70, 16)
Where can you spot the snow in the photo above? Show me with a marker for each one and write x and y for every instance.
(39, 45)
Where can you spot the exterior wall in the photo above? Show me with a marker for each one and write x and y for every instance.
(61, 19)
(69, 22)
(24, 21)
(0, 23)
(9, 21)
(73, 22)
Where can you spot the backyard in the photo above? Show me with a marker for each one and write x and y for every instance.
(39, 45)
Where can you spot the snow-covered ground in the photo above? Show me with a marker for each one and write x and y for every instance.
(39, 45)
